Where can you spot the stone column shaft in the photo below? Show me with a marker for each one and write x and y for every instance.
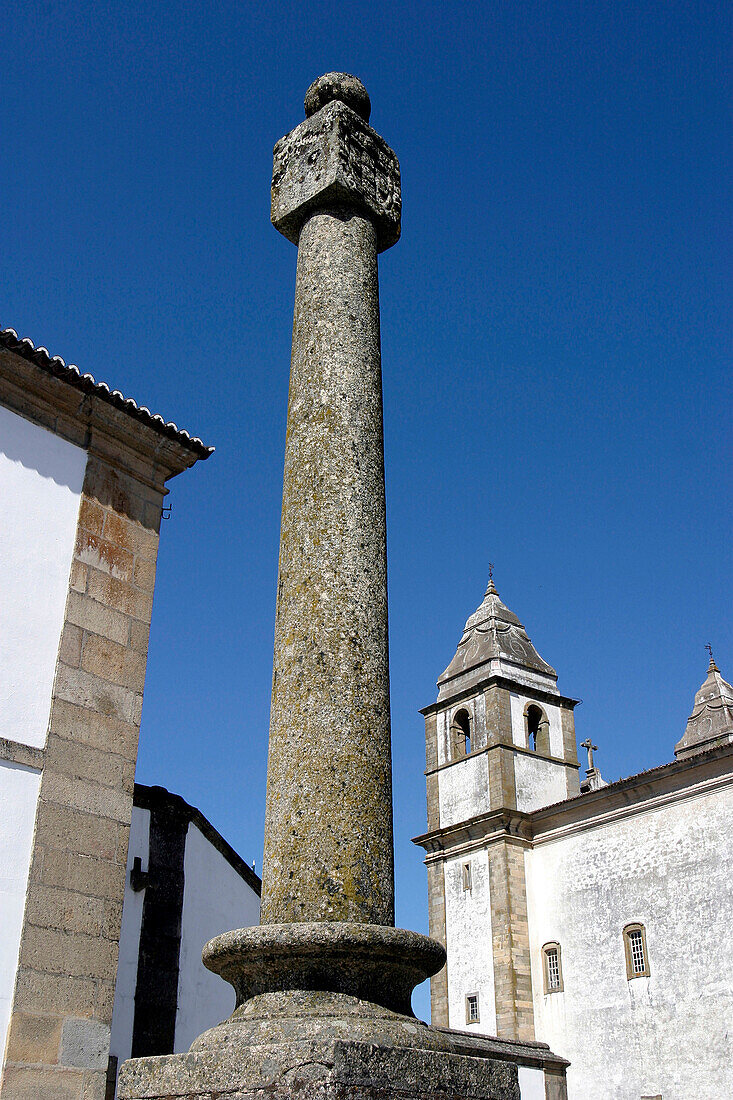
(328, 847)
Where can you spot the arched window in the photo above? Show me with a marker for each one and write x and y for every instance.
(637, 956)
(552, 967)
(538, 729)
(460, 734)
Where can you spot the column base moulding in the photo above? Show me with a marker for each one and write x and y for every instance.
(323, 1012)
(335, 1047)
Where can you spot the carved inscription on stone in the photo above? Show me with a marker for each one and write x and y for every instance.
(335, 158)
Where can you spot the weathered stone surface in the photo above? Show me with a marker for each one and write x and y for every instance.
(317, 1071)
(344, 87)
(334, 159)
(495, 641)
(323, 986)
(333, 1048)
(293, 1045)
(84, 1043)
(328, 829)
(711, 721)
(35, 1038)
(379, 964)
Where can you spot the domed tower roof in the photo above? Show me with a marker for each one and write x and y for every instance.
(711, 721)
(495, 643)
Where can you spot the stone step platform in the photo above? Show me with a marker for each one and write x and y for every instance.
(321, 1046)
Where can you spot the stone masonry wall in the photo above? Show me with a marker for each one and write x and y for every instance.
(59, 1030)
(510, 932)
(437, 926)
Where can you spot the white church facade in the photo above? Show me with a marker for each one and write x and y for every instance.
(593, 917)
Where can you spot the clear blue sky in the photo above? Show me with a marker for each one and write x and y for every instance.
(555, 327)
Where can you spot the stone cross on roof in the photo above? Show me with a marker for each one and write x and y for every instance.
(590, 748)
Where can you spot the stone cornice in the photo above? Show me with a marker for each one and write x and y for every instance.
(150, 451)
(526, 1052)
(15, 752)
(505, 745)
(651, 790)
(158, 798)
(475, 833)
(500, 681)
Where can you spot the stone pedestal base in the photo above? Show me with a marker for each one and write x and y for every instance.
(339, 1070)
(320, 1046)
(316, 1070)
(323, 1013)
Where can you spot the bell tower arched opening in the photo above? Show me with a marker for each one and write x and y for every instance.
(460, 734)
(538, 729)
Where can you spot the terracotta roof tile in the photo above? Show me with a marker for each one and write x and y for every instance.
(71, 374)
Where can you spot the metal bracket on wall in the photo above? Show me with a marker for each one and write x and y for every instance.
(139, 879)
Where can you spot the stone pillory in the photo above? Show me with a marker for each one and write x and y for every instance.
(323, 985)
(328, 831)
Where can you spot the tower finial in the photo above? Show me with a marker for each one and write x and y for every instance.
(491, 590)
(712, 667)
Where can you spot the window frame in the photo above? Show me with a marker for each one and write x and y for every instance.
(631, 971)
(477, 1018)
(467, 877)
(552, 945)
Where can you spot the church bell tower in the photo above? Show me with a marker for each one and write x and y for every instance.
(500, 743)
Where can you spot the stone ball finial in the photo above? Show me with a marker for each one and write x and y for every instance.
(341, 86)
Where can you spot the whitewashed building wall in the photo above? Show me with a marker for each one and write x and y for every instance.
(41, 480)
(669, 868)
(216, 900)
(468, 931)
(18, 796)
(214, 897)
(463, 789)
(538, 782)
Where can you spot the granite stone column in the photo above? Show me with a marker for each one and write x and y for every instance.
(327, 922)
(323, 985)
(328, 828)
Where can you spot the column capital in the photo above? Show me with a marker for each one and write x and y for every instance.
(335, 159)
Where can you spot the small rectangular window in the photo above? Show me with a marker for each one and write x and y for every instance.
(552, 966)
(637, 952)
(637, 957)
(467, 884)
(553, 969)
(472, 1016)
